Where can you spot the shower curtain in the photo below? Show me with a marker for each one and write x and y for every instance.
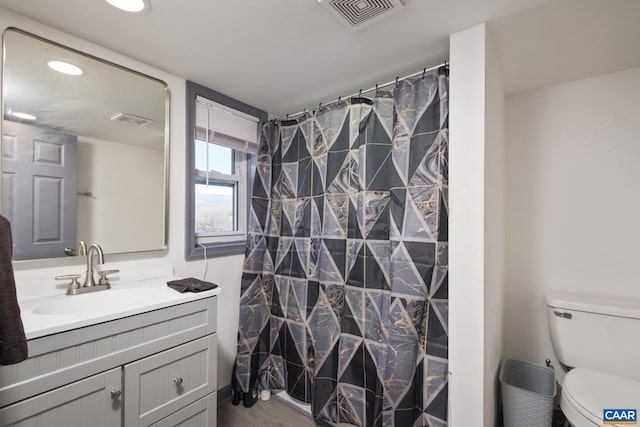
(344, 294)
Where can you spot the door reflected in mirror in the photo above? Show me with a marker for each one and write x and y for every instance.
(84, 151)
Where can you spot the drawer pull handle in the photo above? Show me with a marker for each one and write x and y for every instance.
(177, 381)
(115, 394)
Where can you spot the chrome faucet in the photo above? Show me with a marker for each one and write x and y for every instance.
(88, 280)
(89, 284)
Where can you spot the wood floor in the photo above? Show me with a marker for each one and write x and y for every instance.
(272, 413)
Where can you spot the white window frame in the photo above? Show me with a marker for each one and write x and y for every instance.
(223, 243)
(239, 180)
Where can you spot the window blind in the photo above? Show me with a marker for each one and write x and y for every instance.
(223, 125)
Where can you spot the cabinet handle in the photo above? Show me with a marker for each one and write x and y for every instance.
(115, 394)
(177, 381)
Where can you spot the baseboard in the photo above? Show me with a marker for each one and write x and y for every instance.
(224, 395)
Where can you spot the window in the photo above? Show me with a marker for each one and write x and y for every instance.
(223, 137)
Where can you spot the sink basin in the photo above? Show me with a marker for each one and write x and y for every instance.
(100, 302)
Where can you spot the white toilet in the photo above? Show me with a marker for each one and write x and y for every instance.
(598, 339)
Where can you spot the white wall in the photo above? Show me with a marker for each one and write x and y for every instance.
(224, 271)
(125, 181)
(572, 206)
(476, 228)
(494, 232)
(466, 227)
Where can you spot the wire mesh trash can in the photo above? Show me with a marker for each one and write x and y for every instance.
(528, 392)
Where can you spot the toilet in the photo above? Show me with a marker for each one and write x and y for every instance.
(597, 338)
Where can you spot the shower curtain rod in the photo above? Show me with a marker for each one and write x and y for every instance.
(360, 92)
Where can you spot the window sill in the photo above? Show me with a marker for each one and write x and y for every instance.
(216, 250)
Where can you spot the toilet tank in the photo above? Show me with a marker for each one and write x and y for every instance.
(601, 333)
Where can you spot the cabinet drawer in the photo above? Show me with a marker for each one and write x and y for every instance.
(201, 413)
(160, 385)
(89, 402)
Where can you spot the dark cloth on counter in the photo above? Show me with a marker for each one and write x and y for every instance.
(191, 284)
(13, 343)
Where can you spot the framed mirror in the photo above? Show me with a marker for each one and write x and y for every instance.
(84, 151)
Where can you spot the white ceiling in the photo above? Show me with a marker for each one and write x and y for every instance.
(286, 55)
(278, 55)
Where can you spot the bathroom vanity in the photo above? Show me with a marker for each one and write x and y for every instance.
(139, 354)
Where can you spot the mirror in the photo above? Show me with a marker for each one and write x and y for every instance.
(84, 151)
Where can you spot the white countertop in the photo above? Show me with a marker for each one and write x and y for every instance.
(50, 314)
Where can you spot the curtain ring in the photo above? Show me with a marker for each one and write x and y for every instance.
(424, 71)
(397, 78)
(319, 106)
(377, 91)
(360, 95)
(339, 101)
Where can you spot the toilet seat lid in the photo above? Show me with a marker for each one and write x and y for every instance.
(590, 392)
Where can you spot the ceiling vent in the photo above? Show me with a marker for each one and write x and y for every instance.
(131, 119)
(357, 14)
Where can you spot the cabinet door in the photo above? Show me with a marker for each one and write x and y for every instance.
(160, 385)
(88, 402)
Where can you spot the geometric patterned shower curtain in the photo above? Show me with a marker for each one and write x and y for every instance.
(344, 293)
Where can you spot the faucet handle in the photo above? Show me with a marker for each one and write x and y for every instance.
(103, 280)
(74, 280)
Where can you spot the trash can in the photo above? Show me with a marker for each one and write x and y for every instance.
(528, 392)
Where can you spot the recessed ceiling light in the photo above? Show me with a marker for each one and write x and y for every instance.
(130, 5)
(23, 116)
(65, 68)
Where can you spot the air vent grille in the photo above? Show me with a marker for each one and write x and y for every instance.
(356, 14)
(131, 119)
